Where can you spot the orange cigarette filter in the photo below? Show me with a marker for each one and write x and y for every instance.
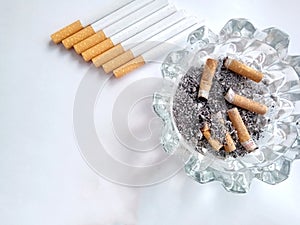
(245, 103)
(229, 145)
(89, 42)
(128, 67)
(97, 49)
(242, 131)
(67, 31)
(243, 70)
(207, 78)
(77, 37)
(118, 61)
(108, 55)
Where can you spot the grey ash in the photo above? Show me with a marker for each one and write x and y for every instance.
(191, 113)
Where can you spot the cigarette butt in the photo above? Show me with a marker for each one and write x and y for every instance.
(108, 55)
(66, 32)
(244, 70)
(97, 49)
(207, 77)
(215, 144)
(89, 42)
(229, 143)
(118, 61)
(130, 66)
(245, 103)
(242, 132)
(77, 37)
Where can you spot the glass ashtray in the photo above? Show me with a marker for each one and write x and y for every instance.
(266, 51)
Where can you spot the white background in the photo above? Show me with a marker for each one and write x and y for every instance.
(43, 178)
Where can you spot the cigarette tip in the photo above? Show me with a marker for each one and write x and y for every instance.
(227, 62)
(229, 96)
(203, 95)
(67, 31)
(232, 110)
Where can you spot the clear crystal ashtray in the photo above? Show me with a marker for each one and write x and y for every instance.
(275, 131)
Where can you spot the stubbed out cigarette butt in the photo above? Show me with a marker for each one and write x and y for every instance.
(108, 55)
(245, 103)
(215, 144)
(242, 132)
(207, 77)
(69, 42)
(242, 69)
(229, 145)
(89, 42)
(130, 66)
(97, 49)
(67, 31)
(118, 61)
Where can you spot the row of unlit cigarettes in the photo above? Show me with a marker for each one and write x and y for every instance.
(235, 99)
(131, 34)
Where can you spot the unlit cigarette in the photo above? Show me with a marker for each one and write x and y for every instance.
(215, 144)
(121, 14)
(114, 31)
(139, 37)
(207, 78)
(123, 24)
(245, 103)
(242, 132)
(73, 28)
(244, 70)
(155, 53)
(145, 46)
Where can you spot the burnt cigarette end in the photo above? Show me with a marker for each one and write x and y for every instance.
(202, 97)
